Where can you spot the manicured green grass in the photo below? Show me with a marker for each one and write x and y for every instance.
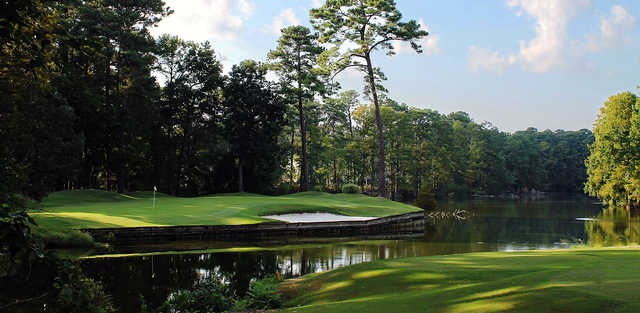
(585, 280)
(95, 208)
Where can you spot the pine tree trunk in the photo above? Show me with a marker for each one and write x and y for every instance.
(396, 173)
(304, 166)
(240, 176)
(381, 164)
(335, 174)
(291, 160)
(304, 173)
(352, 170)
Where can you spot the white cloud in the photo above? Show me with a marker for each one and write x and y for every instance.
(287, 17)
(316, 3)
(246, 7)
(547, 50)
(485, 59)
(429, 43)
(201, 20)
(613, 30)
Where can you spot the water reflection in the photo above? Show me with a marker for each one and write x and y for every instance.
(492, 225)
(614, 227)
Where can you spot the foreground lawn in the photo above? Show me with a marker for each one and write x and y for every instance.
(588, 280)
(94, 208)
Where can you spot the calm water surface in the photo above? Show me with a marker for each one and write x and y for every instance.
(488, 225)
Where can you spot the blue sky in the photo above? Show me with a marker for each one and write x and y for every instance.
(548, 64)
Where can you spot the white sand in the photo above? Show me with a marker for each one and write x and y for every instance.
(316, 217)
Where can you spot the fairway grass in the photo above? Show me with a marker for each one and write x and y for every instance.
(573, 280)
(96, 209)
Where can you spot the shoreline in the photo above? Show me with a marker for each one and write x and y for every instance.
(407, 223)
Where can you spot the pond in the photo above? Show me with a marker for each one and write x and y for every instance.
(153, 272)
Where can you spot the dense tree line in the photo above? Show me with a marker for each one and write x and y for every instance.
(450, 154)
(83, 108)
(92, 100)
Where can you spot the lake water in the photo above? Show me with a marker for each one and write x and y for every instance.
(488, 225)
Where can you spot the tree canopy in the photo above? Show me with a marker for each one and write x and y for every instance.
(614, 164)
(368, 25)
(295, 62)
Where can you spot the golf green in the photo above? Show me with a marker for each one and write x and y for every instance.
(95, 208)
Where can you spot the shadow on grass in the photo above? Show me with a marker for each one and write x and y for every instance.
(523, 282)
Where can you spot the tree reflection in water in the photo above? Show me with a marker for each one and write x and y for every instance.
(615, 226)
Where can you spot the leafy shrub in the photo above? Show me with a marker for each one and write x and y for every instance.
(263, 294)
(110, 237)
(63, 239)
(18, 249)
(318, 188)
(26, 270)
(74, 292)
(211, 295)
(426, 200)
(351, 188)
(406, 194)
(240, 305)
(284, 188)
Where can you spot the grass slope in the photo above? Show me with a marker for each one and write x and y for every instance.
(95, 208)
(587, 280)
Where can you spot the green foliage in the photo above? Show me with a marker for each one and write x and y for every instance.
(614, 164)
(295, 62)
(426, 199)
(319, 188)
(214, 295)
(284, 188)
(263, 294)
(110, 237)
(253, 117)
(369, 26)
(351, 188)
(18, 250)
(143, 305)
(210, 295)
(76, 73)
(194, 79)
(458, 157)
(37, 140)
(58, 283)
(76, 293)
(240, 305)
(63, 238)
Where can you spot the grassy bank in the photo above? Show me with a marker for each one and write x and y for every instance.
(587, 280)
(94, 208)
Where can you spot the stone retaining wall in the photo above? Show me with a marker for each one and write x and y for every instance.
(396, 224)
